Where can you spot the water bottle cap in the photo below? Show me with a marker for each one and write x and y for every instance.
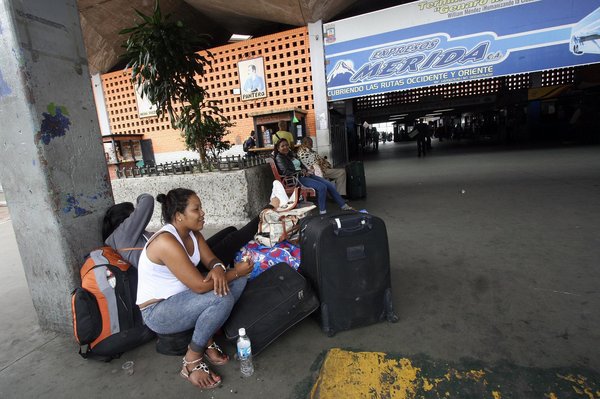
(242, 331)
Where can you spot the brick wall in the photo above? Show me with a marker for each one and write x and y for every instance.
(288, 79)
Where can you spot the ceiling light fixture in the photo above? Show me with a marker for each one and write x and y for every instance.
(239, 38)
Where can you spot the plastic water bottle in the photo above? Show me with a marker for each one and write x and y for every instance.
(244, 351)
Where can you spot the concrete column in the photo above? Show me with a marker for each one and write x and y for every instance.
(52, 164)
(317, 62)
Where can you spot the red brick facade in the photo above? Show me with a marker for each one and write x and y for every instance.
(288, 83)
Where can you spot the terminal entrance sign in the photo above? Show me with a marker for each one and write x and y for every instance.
(433, 42)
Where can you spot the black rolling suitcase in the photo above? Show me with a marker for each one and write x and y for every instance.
(356, 185)
(270, 305)
(346, 258)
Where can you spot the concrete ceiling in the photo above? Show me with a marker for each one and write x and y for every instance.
(101, 20)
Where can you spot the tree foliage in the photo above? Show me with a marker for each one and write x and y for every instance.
(165, 65)
(207, 137)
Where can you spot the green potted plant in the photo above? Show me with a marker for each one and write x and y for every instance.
(165, 64)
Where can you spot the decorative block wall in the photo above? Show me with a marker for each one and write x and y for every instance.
(288, 79)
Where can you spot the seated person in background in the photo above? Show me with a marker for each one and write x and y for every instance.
(282, 134)
(289, 165)
(322, 167)
(174, 296)
(124, 227)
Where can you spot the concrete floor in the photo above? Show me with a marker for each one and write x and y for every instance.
(495, 255)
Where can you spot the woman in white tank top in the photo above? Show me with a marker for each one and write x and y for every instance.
(174, 296)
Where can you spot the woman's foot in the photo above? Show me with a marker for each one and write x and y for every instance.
(197, 372)
(215, 356)
(347, 207)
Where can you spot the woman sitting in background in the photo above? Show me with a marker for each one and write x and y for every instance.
(174, 296)
(289, 165)
(322, 167)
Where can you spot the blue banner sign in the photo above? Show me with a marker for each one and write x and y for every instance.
(434, 42)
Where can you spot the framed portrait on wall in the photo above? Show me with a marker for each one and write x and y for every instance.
(252, 78)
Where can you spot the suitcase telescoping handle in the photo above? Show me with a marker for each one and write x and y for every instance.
(349, 226)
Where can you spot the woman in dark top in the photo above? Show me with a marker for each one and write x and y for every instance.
(289, 165)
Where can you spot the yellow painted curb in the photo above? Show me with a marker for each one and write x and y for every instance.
(364, 374)
(358, 375)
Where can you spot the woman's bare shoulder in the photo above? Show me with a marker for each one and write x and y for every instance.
(163, 239)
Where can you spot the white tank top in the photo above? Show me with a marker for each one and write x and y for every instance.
(156, 281)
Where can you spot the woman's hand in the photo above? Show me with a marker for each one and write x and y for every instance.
(244, 267)
(217, 275)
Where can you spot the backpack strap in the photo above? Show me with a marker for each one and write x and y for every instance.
(134, 248)
(261, 220)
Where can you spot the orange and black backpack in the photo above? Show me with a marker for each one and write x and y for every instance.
(105, 316)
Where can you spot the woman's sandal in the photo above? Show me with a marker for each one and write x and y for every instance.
(200, 367)
(223, 358)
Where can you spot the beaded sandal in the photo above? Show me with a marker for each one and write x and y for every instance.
(200, 367)
(223, 358)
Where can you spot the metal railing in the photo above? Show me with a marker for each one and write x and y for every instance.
(221, 164)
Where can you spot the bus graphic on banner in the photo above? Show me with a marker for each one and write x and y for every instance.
(585, 37)
(447, 41)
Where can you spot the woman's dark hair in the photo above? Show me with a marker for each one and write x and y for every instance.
(276, 146)
(115, 215)
(175, 201)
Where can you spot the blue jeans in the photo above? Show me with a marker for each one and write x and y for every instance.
(322, 186)
(205, 313)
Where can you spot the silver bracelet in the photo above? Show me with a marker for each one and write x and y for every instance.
(220, 264)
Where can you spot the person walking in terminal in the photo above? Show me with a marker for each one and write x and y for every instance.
(174, 296)
(421, 137)
(282, 133)
(289, 165)
(321, 166)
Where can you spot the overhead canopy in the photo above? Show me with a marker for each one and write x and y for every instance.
(101, 20)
